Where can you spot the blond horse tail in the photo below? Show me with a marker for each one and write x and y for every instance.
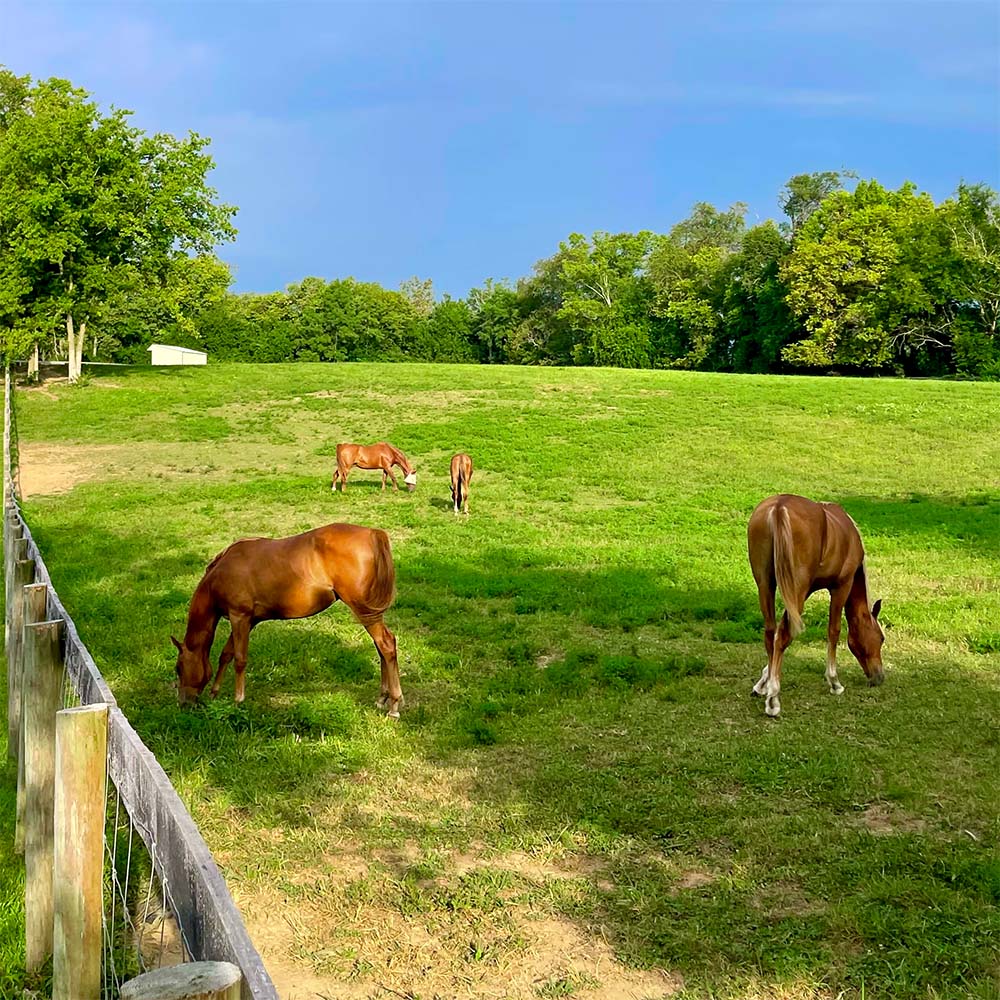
(382, 591)
(781, 533)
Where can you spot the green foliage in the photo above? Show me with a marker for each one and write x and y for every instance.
(92, 210)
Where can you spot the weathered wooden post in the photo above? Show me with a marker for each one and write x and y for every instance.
(6, 437)
(194, 981)
(12, 531)
(35, 605)
(78, 862)
(43, 683)
(22, 574)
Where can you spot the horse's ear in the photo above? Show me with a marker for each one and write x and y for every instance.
(179, 645)
(876, 608)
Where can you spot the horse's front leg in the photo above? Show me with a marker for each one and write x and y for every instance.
(392, 476)
(224, 660)
(240, 639)
(837, 601)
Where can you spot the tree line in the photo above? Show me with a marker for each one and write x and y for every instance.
(106, 229)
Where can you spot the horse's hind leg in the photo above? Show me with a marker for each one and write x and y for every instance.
(838, 598)
(782, 640)
(766, 595)
(391, 696)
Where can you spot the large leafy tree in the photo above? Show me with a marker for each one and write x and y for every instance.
(687, 272)
(804, 193)
(605, 297)
(855, 276)
(91, 206)
(972, 221)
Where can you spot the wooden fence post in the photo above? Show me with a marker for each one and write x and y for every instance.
(12, 532)
(194, 981)
(78, 863)
(6, 437)
(23, 573)
(35, 606)
(43, 687)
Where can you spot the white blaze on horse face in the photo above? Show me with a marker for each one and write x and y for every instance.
(411, 479)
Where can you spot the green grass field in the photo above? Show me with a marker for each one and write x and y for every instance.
(581, 798)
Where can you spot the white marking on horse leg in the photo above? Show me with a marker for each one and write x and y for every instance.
(758, 688)
(772, 705)
(831, 675)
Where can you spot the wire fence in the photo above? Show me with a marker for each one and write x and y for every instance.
(165, 900)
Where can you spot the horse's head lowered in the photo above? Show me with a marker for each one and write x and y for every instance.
(411, 481)
(193, 673)
(864, 639)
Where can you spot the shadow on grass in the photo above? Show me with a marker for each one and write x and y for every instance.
(971, 522)
(628, 749)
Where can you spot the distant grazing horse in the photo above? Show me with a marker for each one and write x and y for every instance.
(801, 546)
(374, 456)
(263, 579)
(461, 474)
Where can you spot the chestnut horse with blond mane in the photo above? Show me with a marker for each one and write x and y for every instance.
(461, 474)
(799, 546)
(267, 579)
(373, 456)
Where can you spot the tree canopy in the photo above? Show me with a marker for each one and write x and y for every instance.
(107, 240)
(98, 219)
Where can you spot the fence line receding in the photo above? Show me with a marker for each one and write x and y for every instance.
(165, 900)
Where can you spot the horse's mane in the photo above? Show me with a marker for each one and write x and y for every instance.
(400, 458)
(219, 556)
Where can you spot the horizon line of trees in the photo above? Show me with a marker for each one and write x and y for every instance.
(107, 240)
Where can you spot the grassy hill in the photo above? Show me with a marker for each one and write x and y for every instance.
(580, 798)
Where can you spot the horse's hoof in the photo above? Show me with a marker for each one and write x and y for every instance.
(839, 689)
(773, 711)
(393, 715)
(754, 693)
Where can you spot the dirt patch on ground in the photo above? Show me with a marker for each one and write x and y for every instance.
(48, 469)
(883, 819)
(695, 879)
(360, 925)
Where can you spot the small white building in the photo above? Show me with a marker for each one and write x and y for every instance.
(167, 354)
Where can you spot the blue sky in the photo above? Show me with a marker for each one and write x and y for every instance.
(460, 141)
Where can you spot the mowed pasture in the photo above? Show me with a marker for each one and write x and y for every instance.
(581, 798)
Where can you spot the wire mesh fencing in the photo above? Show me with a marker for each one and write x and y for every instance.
(165, 901)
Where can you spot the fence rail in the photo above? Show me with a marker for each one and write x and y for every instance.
(192, 886)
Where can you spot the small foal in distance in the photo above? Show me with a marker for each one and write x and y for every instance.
(461, 474)
(799, 546)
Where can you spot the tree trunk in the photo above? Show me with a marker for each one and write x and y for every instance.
(79, 348)
(33, 362)
(70, 347)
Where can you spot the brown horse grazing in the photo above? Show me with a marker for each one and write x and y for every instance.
(461, 474)
(801, 546)
(266, 579)
(373, 456)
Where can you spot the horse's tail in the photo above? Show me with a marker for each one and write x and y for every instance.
(382, 591)
(781, 533)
